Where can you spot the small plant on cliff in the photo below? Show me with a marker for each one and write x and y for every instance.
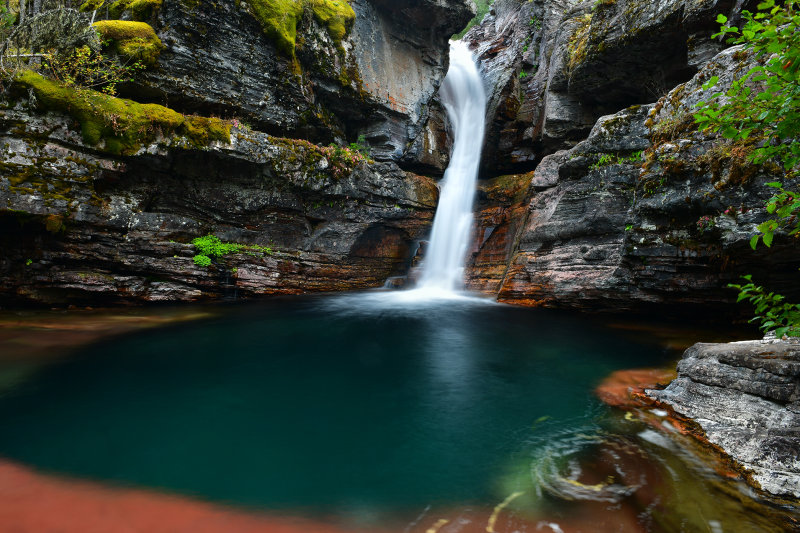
(771, 310)
(705, 224)
(87, 68)
(210, 246)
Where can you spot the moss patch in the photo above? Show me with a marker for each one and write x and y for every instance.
(121, 126)
(342, 161)
(279, 19)
(139, 9)
(579, 41)
(132, 40)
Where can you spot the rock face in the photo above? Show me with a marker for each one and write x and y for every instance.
(377, 82)
(746, 397)
(82, 226)
(553, 67)
(646, 211)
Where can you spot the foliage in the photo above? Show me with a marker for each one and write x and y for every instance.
(84, 67)
(786, 206)
(482, 8)
(210, 246)
(202, 260)
(360, 146)
(771, 309)
(121, 125)
(764, 102)
(705, 224)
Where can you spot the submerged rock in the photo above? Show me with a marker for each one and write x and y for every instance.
(746, 397)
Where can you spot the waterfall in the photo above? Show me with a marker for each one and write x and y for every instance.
(464, 99)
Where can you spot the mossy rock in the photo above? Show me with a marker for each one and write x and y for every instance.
(279, 19)
(132, 40)
(138, 9)
(117, 125)
(91, 5)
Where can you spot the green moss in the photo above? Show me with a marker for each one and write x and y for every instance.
(279, 19)
(121, 126)
(133, 40)
(204, 130)
(91, 5)
(508, 189)
(579, 41)
(336, 15)
(139, 9)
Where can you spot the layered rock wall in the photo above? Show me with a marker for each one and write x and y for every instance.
(646, 212)
(82, 226)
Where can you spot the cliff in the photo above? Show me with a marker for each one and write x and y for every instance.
(647, 212)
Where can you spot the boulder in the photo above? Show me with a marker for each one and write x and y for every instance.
(746, 397)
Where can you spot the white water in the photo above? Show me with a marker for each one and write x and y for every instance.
(442, 275)
(464, 99)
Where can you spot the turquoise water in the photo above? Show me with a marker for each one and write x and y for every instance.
(320, 406)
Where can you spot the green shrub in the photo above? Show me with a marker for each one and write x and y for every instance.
(210, 246)
(763, 106)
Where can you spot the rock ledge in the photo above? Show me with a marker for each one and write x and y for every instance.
(746, 397)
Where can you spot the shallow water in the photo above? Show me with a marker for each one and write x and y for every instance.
(363, 411)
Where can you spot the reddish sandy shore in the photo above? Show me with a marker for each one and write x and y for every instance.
(31, 502)
(35, 503)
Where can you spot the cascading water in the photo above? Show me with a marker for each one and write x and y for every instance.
(464, 99)
(442, 274)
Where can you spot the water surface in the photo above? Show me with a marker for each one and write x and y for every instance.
(331, 407)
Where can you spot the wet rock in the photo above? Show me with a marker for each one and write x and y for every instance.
(746, 397)
(80, 225)
(500, 214)
(553, 67)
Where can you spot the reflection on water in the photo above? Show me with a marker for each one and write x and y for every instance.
(370, 414)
